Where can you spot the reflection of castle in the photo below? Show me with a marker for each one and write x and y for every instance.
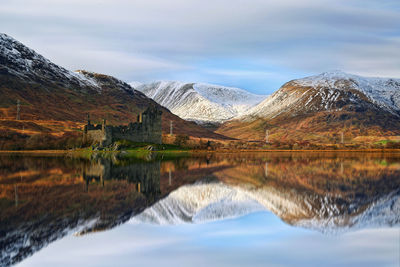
(147, 129)
(146, 175)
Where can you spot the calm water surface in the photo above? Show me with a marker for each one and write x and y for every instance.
(275, 209)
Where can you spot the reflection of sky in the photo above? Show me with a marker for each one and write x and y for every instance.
(258, 239)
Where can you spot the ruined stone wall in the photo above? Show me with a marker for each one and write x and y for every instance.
(146, 130)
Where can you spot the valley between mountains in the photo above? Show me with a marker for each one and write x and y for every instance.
(52, 104)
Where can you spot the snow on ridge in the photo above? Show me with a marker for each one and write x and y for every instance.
(135, 84)
(199, 101)
(23, 61)
(78, 74)
(383, 91)
(227, 95)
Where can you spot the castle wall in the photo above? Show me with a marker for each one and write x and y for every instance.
(147, 130)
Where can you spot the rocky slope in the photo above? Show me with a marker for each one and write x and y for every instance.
(203, 103)
(327, 103)
(47, 91)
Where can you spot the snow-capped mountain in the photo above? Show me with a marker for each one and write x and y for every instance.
(330, 91)
(204, 202)
(200, 102)
(322, 106)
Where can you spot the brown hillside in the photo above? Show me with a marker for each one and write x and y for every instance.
(319, 114)
(49, 93)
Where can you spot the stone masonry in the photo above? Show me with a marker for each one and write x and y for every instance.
(147, 129)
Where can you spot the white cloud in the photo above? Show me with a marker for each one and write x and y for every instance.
(172, 37)
(242, 73)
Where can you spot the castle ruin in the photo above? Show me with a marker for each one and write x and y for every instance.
(147, 129)
(146, 175)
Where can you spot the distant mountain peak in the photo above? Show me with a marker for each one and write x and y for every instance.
(201, 102)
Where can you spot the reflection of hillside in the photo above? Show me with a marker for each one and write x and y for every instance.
(330, 190)
(323, 176)
(43, 199)
(185, 171)
(336, 191)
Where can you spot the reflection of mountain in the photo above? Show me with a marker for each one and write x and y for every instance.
(216, 201)
(200, 202)
(44, 199)
(327, 195)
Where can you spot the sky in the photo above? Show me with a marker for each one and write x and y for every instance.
(257, 45)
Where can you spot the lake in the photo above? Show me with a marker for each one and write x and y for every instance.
(209, 209)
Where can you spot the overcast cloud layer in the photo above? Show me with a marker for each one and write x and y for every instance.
(254, 44)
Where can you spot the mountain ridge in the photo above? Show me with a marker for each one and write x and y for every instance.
(200, 102)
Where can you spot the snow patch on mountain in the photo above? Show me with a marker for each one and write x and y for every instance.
(201, 102)
(383, 91)
(135, 84)
(89, 80)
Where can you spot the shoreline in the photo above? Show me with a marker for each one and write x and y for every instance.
(66, 152)
(50, 152)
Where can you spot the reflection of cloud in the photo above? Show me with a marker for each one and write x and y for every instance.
(297, 36)
(256, 240)
(368, 247)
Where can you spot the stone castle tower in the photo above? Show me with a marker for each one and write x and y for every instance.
(147, 129)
